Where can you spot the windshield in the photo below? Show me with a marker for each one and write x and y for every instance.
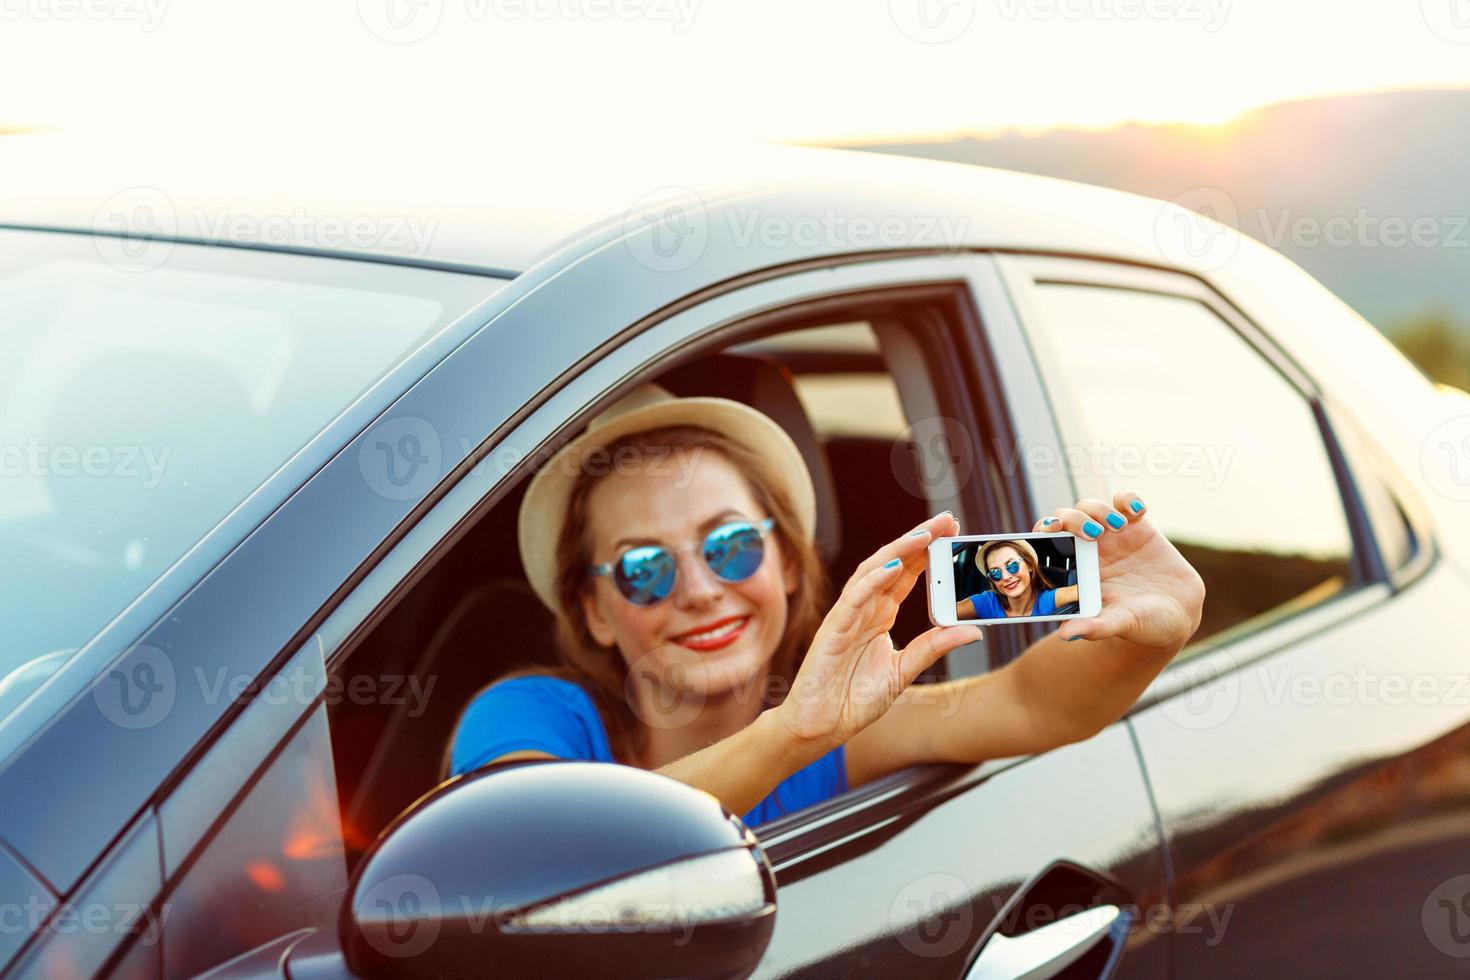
(138, 408)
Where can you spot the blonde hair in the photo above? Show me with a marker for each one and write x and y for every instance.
(602, 668)
(1027, 552)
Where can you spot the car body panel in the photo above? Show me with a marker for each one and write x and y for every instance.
(915, 894)
(1313, 790)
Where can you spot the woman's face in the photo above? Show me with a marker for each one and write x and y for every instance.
(709, 637)
(1012, 586)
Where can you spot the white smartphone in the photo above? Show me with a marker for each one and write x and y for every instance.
(1012, 578)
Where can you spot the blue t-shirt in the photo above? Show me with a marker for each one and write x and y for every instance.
(558, 717)
(988, 605)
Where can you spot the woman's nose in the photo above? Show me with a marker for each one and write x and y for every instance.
(696, 584)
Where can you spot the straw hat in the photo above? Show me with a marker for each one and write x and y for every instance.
(649, 406)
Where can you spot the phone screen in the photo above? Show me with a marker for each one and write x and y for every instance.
(1017, 577)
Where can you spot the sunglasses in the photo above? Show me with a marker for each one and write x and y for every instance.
(645, 574)
(1011, 568)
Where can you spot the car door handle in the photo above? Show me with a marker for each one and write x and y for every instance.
(1046, 951)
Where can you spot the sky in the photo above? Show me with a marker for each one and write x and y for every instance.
(767, 70)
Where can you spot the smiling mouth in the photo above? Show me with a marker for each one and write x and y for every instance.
(715, 636)
(1012, 586)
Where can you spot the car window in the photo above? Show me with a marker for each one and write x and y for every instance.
(840, 377)
(850, 397)
(1227, 453)
(138, 408)
(833, 391)
(1392, 530)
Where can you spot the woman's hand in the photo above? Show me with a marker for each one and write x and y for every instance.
(852, 673)
(1151, 596)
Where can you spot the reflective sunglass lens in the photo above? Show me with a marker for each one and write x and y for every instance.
(1012, 567)
(645, 575)
(734, 551)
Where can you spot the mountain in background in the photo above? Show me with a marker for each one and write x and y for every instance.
(1329, 182)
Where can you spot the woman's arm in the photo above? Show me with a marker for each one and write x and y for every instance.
(965, 609)
(1065, 595)
(849, 677)
(744, 768)
(1057, 691)
(828, 697)
(739, 771)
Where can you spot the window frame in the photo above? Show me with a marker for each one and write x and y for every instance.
(1369, 465)
(711, 321)
(1204, 660)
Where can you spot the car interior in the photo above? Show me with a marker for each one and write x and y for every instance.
(473, 617)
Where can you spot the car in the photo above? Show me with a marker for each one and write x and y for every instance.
(268, 413)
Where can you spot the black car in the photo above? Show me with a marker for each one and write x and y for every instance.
(259, 551)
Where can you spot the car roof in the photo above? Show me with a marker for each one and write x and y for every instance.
(505, 204)
(488, 202)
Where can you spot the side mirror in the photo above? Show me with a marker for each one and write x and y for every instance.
(553, 868)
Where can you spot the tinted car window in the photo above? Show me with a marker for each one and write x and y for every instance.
(138, 408)
(1226, 452)
(1397, 543)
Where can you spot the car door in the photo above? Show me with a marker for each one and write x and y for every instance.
(1306, 751)
(938, 871)
(1034, 862)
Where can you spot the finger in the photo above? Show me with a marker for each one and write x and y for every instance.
(848, 611)
(909, 545)
(1078, 522)
(1127, 503)
(932, 644)
(1090, 519)
(1111, 621)
(1048, 523)
(941, 525)
(1103, 514)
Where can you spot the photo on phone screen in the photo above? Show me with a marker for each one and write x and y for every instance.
(993, 578)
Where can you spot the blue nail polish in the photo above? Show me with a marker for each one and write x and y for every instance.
(892, 564)
(1137, 505)
(1116, 521)
(1071, 638)
(1047, 521)
(1091, 528)
(915, 534)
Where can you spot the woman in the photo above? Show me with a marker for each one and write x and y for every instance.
(1020, 588)
(673, 541)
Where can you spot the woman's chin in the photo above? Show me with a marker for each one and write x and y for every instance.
(741, 666)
